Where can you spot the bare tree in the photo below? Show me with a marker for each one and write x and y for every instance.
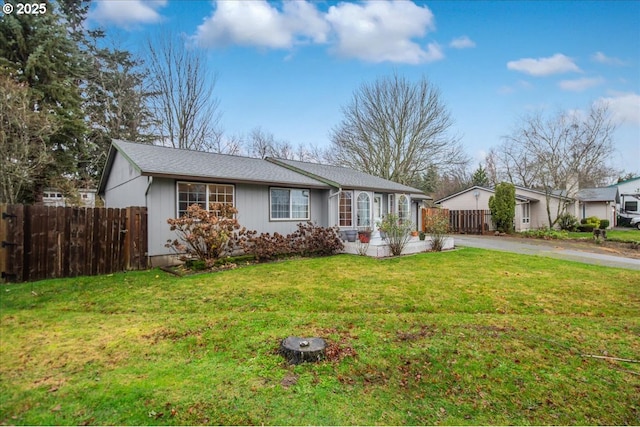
(560, 152)
(23, 136)
(184, 105)
(396, 129)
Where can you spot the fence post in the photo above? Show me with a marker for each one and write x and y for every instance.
(4, 251)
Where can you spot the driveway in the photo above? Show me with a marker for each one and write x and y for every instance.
(554, 249)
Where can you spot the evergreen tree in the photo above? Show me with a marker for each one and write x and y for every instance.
(38, 52)
(503, 206)
(480, 177)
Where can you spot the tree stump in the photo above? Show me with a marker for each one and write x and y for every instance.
(298, 350)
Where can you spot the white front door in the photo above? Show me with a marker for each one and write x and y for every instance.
(377, 210)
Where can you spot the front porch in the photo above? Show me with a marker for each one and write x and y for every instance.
(378, 247)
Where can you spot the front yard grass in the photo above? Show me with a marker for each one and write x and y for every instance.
(462, 337)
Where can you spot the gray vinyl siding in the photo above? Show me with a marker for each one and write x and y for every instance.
(125, 186)
(252, 202)
(162, 205)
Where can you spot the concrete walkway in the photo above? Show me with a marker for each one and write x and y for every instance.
(552, 249)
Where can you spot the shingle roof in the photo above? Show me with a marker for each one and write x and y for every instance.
(519, 197)
(347, 178)
(625, 181)
(603, 194)
(164, 161)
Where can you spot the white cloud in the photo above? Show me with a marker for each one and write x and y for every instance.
(375, 31)
(579, 85)
(555, 64)
(127, 14)
(625, 107)
(604, 59)
(463, 42)
(257, 23)
(383, 31)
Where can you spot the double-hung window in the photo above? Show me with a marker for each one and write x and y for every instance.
(526, 213)
(289, 203)
(190, 193)
(346, 209)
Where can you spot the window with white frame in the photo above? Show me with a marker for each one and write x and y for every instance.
(526, 209)
(346, 209)
(190, 193)
(363, 210)
(403, 208)
(289, 203)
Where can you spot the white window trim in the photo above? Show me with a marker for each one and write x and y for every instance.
(526, 219)
(370, 196)
(353, 217)
(397, 204)
(308, 218)
(206, 184)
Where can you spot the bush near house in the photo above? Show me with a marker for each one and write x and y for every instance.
(503, 205)
(205, 237)
(397, 233)
(568, 222)
(309, 240)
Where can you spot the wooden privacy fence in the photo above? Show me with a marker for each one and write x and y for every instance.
(42, 242)
(430, 214)
(470, 221)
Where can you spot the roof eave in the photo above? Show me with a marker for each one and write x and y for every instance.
(227, 180)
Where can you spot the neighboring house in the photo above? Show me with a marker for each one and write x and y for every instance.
(629, 196)
(531, 206)
(54, 197)
(598, 202)
(271, 195)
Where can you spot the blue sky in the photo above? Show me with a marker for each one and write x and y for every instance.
(289, 67)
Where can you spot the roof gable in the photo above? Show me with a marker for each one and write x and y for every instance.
(341, 177)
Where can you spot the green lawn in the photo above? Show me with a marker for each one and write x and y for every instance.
(464, 337)
(630, 235)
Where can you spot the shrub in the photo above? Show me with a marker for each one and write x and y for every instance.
(397, 233)
(308, 240)
(604, 224)
(586, 228)
(546, 233)
(437, 227)
(568, 222)
(204, 235)
(503, 205)
(592, 221)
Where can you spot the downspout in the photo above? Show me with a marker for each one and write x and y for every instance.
(146, 205)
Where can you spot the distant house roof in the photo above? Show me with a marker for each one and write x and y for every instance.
(160, 161)
(341, 177)
(519, 197)
(603, 194)
(625, 181)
